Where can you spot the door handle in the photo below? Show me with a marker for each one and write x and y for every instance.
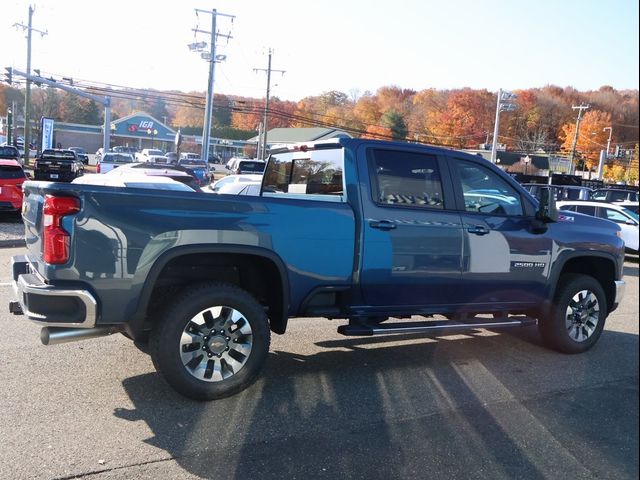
(477, 229)
(382, 224)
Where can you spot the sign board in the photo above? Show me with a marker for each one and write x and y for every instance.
(46, 136)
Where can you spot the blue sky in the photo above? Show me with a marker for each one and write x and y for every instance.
(350, 46)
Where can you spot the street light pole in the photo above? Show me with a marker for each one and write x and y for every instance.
(503, 104)
(496, 128)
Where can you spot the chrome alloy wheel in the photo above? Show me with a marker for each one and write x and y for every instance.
(216, 343)
(582, 316)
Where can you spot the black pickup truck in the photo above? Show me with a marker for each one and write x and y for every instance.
(57, 165)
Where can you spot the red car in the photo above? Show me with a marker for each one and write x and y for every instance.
(12, 177)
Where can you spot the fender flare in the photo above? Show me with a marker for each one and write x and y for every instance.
(135, 325)
(554, 276)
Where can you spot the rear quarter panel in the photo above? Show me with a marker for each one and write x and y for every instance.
(120, 233)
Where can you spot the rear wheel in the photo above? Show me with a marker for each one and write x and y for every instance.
(576, 318)
(212, 342)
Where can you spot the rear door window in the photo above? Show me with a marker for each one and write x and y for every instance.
(406, 179)
(586, 209)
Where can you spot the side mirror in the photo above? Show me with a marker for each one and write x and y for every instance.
(547, 210)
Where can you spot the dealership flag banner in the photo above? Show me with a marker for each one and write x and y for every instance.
(46, 127)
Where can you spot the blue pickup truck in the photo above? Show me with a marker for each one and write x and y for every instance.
(365, 231)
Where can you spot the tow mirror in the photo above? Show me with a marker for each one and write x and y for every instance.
(547, 210)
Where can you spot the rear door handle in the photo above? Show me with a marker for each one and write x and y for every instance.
(382, 224)
(477, 229)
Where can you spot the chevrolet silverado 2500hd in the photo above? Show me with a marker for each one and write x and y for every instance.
(351, 229)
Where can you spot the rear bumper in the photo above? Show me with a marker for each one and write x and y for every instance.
(47, 305)
(54, 176)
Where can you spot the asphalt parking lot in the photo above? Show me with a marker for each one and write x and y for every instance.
(480, 405)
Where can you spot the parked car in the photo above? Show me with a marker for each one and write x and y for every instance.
(151, 155)
(12, 176)
(57, 165)
(9, 152)
(625, 218)
(199, 168)
(215, 186)
(81, 153)
(561, 192)
(122, 149)
(134, 180)
(111, 160)
(176, 173)
(240, 188)
(172, 158)
(613, 195)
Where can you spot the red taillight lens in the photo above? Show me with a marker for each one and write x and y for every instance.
(98, 167)
(55, 239)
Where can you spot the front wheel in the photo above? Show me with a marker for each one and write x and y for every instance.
(576, 318)
(212, 342)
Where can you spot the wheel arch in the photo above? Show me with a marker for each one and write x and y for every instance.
(181, 266)
(598, 265)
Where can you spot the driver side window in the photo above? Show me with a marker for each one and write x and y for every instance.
(485, 192)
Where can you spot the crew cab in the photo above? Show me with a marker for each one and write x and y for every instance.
(362, 231)
(57, 165)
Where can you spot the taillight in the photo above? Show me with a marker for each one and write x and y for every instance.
(98, 167)
(55, 239)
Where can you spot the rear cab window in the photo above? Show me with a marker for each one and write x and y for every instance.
(311, 174)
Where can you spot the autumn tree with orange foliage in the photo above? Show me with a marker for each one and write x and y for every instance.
(467, 118)
(591, 137)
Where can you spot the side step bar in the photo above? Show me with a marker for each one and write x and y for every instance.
(431, 327)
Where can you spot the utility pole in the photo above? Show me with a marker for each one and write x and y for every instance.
(27, 99)
(266, 103)
(580, 109)
(609, 139)
(212, 58)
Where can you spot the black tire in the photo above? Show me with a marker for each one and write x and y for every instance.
(577, 316)
(201, 351)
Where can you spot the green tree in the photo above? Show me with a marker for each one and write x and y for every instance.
(394, 121)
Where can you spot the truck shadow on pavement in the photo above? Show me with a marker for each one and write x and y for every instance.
(491, 407)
